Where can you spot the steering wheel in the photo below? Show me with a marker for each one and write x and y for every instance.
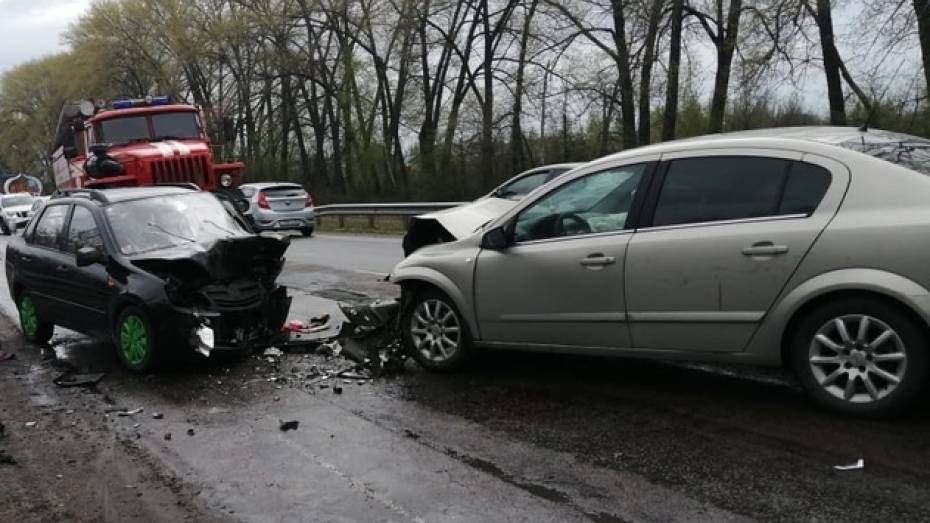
(577, 225)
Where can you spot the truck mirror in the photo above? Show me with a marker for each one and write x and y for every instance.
(69, 151)
(98, 148)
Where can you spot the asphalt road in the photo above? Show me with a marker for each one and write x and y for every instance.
(520, 437)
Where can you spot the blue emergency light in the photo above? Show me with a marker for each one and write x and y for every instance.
(138, 102)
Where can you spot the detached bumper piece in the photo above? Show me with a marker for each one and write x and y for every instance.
(369, 335)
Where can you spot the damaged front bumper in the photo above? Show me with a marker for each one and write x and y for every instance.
(243, 330)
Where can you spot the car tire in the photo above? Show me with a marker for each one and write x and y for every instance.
(307, 231)
(34, 328)
(862, 357)
(135, 341)
(435, 334)
(3, 228)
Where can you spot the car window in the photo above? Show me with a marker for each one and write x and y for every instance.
(595, 203)
(523, 186)
(48, 229)
(83, 231)
(176, 126)
(720, 188)
(120, 131)
(807, 184)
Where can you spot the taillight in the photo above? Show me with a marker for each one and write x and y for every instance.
(309, 202)
(262, 201)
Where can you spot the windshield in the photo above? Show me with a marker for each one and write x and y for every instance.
(120, 131)
(168, 221)
(898, 148)
(16, 201)
(177, 126)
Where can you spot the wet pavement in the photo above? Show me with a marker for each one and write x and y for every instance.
(520, 437)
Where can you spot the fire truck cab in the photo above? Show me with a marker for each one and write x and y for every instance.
(137, 142)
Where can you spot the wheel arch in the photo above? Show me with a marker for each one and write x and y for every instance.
(894, 290)
(415, 281)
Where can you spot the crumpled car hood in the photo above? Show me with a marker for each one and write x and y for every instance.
(222, 260)
(462, 221)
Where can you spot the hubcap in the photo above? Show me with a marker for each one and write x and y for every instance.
(133, 339)
(857, 358)
(435, 330)
(28, 317)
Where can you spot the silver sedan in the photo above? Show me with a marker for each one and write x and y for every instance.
(804, 247)
(279, 206)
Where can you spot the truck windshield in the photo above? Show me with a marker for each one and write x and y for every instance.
(120, 131)
(167, 126)
(169, 221)
(176, 126)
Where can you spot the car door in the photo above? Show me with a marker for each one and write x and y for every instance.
(84, 291)
(560, 282)
(39, 258)
(724, 234)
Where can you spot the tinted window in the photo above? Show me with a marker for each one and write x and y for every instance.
(591, 204)
(713, 189)
(83, 231)
(120, 131)
(175, 125)
(48, 229)
(523, 186)
(806, 186)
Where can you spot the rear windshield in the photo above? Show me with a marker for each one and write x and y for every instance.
(284, 190)
(898, 148)
(15, 201)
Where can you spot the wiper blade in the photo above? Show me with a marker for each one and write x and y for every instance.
(169, 233)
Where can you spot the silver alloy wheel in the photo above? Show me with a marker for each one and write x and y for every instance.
(857, 358)
(435, 330)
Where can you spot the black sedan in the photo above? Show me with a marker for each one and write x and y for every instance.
(154, 268)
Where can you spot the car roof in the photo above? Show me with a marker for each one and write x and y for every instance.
(262, 185)
(122, 194)
(805, 138)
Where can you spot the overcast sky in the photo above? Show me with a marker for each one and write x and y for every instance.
(32, 28)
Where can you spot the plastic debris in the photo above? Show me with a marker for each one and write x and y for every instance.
(157, 415)
(167, 436)
(855, 466)
(190, 432)
(7, 356)
(132, 412)
(273, 352)
(288, 425)
(337, 389)
(31, 424)
(70, 379)
(6, 459)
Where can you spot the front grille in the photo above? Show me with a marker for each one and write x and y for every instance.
(235, 295)
(23, 214)
(181, 169)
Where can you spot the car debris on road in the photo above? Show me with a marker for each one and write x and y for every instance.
(858, 465)
(70, 379)
(288, 425)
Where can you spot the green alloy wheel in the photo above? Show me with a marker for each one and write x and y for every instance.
(34, 328)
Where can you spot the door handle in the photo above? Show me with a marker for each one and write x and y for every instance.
(597, 260)
(765, 249)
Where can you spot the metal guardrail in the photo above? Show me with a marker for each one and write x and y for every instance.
(388, 209)
(372, 210)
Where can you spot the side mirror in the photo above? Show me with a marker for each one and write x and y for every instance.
(88, 256)
(69, 151)
(495, 239)
(99, 148)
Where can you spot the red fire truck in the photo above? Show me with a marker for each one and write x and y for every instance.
(138, 142)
